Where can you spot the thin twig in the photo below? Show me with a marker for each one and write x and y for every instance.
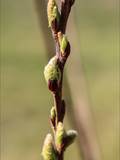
(76, 122)
(54, 77)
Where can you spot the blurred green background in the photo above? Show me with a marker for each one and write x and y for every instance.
(25, 100)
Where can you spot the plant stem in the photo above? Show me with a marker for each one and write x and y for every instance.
(57, 103)
(57, 95)
(77, 121)
(54, 77)
(65, 10)
(60, 157)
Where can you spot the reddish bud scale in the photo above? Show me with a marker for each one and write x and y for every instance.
(53, 85)
(54, 26)
(67, 51)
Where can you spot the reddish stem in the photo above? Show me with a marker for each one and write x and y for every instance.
(57, 94)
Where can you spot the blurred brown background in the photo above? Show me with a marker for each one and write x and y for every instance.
(25, 101)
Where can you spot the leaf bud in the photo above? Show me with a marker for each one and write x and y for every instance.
(64, 43)
(53, 113)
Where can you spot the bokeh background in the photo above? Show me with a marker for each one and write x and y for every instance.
(25, 100)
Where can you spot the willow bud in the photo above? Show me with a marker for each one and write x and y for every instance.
(52, 74)
(48, 151)
(70, 137)
(52, 12)
(64, 43)
(59, 137)
(53, 113)
(60, 36)
(53, 118)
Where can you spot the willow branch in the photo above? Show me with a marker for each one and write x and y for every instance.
(54, 149)
(84, 142)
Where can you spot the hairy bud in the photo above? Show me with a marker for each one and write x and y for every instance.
(70, 137)
(52, 74)
(60, 134)
(52, 11)
(48, 151)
